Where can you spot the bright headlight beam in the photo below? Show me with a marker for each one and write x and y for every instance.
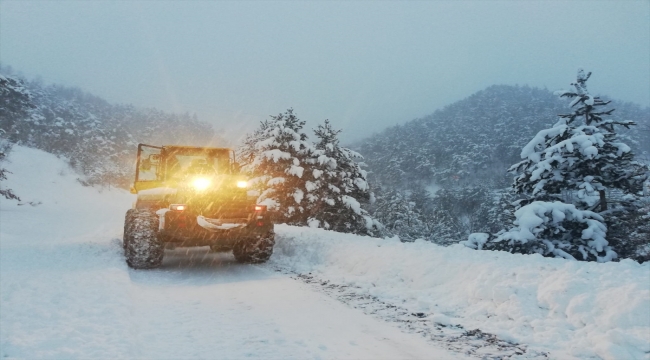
(242, 184)
(201, 183)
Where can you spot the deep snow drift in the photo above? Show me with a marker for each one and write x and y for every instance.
(65, 291)
(569, 309)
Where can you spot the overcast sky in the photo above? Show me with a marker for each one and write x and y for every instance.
(364, 65)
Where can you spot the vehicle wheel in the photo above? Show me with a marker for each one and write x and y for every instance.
(142, 247)
(256, 250)
(220, 248)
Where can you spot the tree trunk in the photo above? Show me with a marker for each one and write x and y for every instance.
(603, 200)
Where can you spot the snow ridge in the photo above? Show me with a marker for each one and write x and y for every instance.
(570, 309)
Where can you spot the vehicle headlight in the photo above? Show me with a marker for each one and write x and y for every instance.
(242, 184)
(201, 183)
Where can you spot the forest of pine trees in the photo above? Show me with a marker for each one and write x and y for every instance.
(442, 178)
(445, 175)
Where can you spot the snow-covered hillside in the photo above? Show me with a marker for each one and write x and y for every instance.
(65, 292)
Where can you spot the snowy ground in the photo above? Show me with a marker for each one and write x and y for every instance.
(65, 292)
(543, 307)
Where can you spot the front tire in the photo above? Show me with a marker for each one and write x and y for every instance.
(143, 248)
(220, 248)
(255, 251)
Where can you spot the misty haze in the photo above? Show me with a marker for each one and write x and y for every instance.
(325, 180)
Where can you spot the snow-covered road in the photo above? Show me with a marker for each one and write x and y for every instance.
(202, 304)
(66, 291)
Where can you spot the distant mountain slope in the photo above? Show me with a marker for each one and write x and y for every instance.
(476, 139)
(97, 138)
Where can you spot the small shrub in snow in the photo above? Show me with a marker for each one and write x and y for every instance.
(551, 229)
(476, 240)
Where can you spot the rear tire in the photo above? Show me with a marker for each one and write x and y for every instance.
(256, 250)
(143, 248)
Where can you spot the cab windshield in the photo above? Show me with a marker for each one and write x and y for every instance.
(181, 163)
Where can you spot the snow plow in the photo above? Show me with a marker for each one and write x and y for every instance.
(193, 196)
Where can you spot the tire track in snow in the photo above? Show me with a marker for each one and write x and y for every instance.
(474, 343)
(204, 305)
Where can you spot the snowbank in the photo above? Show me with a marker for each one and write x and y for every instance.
(62, 274)
(567, 308)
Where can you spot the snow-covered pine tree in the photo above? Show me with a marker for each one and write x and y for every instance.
(5, 147)
(574, 161)
(551, 228)
(247, 151)
(617, 174)
(582, 157)
(337, 187)
(280, 158)
(15, 105)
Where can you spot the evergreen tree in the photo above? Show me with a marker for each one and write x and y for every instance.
(551, 228)
(578, 160)
(5, 147)
(586, 157)
(281, 160)
(15, 107)
(247, 152)
(337, 187)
